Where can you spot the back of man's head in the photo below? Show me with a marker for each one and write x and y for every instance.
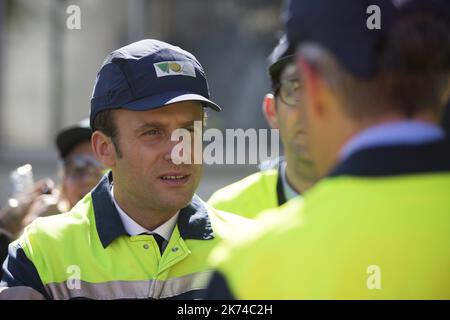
(414, 64)
(405, 71)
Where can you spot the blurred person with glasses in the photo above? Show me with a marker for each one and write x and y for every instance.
(291, 175)
(79, 173)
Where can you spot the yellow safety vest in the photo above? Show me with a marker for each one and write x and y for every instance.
(377, 228)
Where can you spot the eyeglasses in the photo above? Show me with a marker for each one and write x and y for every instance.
(80, 166)
(288, 87)
(289, 91)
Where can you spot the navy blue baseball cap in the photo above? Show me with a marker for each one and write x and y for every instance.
(341, 27)
(146, 75)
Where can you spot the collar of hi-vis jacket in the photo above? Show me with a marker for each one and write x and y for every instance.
(277, 164)
(193, 220)
(431, 157)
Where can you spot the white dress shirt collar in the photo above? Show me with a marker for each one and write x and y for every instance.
(133, 228)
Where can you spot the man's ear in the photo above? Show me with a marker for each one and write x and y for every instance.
(104, 149)
(313, 86)
(270, 111)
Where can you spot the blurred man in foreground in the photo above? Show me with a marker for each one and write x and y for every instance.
(377, 226)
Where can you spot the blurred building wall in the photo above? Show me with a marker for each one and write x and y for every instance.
(49, 71)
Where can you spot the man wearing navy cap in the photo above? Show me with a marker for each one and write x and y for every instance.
(141, 233)
(291, 175)
(377, 226)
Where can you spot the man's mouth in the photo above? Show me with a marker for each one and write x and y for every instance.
(173, 179)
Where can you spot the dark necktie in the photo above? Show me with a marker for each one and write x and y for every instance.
(160, 241)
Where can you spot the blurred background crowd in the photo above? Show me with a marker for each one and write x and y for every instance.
(47, 71)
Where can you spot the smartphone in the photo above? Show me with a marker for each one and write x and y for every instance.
(21, 180)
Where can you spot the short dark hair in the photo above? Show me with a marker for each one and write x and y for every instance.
(415, 64)
(105, 123)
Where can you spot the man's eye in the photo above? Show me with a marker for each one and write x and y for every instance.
(152, 132)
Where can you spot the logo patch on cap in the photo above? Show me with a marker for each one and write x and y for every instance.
(174, 68)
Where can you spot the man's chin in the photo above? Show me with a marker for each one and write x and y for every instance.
(176, 201)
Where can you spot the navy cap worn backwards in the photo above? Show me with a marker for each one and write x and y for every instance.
(146, 75)
(280, 56)
(341, 27)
